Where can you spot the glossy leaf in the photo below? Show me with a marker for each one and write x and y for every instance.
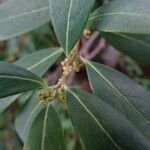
(135, 46)
(128, 16)
(122, 93)
(20, 16)
(14, 80)
(69, 18)
(46, 132)
(27, 115)
(101, 126)
(38, 63)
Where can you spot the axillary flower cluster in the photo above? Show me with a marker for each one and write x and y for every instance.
(71, 63)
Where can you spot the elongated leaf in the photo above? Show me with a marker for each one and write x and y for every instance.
(38, 63)
(27, 115)
(123, 94)
(97, 4)
(14, 80)
(129, 16)
(102, 127)
(135, 46)
(117, 18)
(6, 102)
(20, 16)
(46, 132)
(69, 18)
(24, 97)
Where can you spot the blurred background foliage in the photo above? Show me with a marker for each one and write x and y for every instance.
(44, 37)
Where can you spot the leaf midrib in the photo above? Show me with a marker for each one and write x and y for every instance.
(117, 13)
(131, 38)
(68, 25)
(24, 14)
(96, 120)
(44, 126)
(29, 118)
(46, 58)
(117, 90)
(22, 78)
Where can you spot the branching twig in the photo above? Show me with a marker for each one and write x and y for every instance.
(97, 50)
(85, 49)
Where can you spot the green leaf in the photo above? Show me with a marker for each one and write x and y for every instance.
(135, 46)
(7, 101)
(14, 80)
(122, 93)
(97, 4)
(46, 132)
(24, 97)
(69, 18)
(128, 16)
(125, 24)
(40, 61)
(101, 126)
(20, 16)
(27, 115)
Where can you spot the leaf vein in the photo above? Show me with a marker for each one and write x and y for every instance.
(24, 14)
(115, 88)
(29, 118)
(97, 121)
(132, 39)
(43, 60)
(117, 13)
(44, 127)
(22, 78)
(68, 25)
